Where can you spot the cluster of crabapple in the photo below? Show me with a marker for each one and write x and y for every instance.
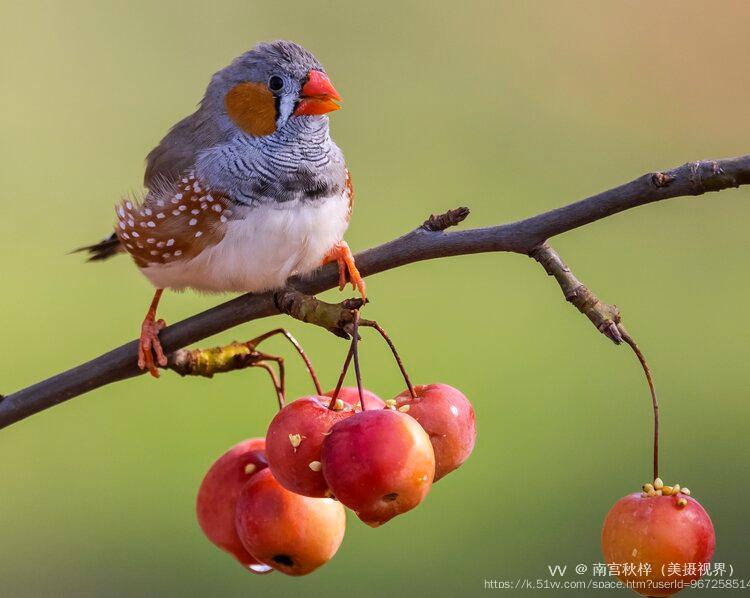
(277, 503)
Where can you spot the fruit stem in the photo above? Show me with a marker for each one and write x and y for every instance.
(340, 383)
(654, 402)
(355, 353)
(300, 351)
(376, 326)
(278, 387)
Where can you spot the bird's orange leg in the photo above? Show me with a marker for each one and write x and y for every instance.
(342, 255)
(149, 345)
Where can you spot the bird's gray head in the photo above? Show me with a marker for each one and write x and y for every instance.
(269, 85)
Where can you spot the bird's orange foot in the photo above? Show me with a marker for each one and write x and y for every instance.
(342, 255)
(149, 346)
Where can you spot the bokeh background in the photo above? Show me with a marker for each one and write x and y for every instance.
(510, 107)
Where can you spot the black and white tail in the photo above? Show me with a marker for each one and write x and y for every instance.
(103, 249)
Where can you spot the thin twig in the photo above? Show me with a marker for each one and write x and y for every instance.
(602, 315)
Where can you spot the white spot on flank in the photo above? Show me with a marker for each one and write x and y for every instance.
(148, 212)
(209, 199)
(154, 252)
(175, 200)
(178, 253)
(166, 256)
(128, 205)
(184, 180)
(170, 242)
(135, 234)
(122, 225)
(151, 224)
(128, 245)
(223, 218)
(125, 235)
(178, 196)
(160, 215)
(216, 208)
(198, 234)
(193, 222)
(182, 208)
(121, 212)
(150, 240)
(176, 212)
(131, 223)
(160, 203)
(195, 212)
(160, 244)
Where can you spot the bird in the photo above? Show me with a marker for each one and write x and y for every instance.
(245, 192)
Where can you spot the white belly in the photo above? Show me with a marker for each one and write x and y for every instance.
(260, 251)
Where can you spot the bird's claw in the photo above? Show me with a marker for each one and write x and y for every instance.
(342, 255)
(149, 346)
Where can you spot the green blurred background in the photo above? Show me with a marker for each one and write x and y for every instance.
(509, 107)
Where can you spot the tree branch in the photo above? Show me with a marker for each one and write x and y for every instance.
(428, 241)
(602, 315)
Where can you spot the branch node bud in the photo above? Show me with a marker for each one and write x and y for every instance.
(437, 223)
(662, 179)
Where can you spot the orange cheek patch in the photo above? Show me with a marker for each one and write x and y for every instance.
(252, 107)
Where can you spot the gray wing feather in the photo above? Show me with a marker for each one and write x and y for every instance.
(177, 152)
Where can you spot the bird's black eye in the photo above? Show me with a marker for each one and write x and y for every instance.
(275, 83)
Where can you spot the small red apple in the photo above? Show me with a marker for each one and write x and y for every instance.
(350, 394)
(217, 498)
(292, 533)
(658, 540)
(448, 418)
(378, 463)
(293, 443)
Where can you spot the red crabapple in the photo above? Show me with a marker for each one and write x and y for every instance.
(292, 533)
(350, 394)
(448, 418)
(672, 533)
(217, 498)
(293, 443)
(379, 464)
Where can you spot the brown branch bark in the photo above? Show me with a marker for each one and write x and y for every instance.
(602, 315)
(428, 241)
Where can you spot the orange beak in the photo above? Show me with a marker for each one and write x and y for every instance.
(318, 95)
